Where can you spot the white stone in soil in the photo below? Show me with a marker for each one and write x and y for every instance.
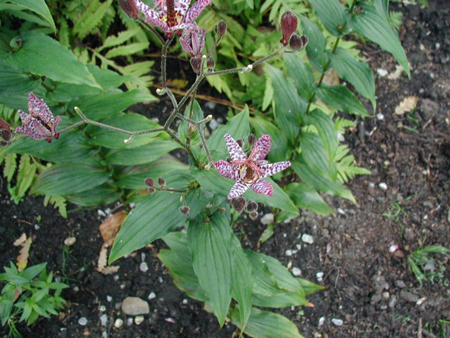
(103, 319)
(118, 323)
(307, 239)
(130, 321)
(383, 186)
(382, 72)
(151, 296)
(337, 321)
(82, 321)
(138, 320)
(69, 241)
(109, 298)
(341, 211)
(185, 301)
(143, 267)
(134, 306)
(319, 276)
(102, 308)
(296, 272)
(267, 219)
(380, 116)
(321, 321)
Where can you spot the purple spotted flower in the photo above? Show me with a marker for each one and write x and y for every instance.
(193, 40)
(40, 123)
(249, 171)
(172, 15)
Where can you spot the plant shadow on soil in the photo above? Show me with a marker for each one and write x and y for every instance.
(369, 288)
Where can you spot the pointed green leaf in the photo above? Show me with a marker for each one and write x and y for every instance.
(332, 15)
(306, 197)
(279, 301)
(278, 143)
(63, 179)
(101, 195)
(316, 46)
(357, 73)
(327, 133)
(209, 243)
(129, 49)
(301, 75)
(313, 151)
(37, 6)
(14, 81)
(265, 282)
(341, 98)
(374, 26)
(41, 55)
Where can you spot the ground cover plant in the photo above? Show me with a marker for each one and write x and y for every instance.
(301, 130)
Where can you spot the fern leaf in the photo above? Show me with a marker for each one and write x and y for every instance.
(112, 41)
(25, 175)
(91, 18)
(57, 202)
(138, 69)
(127, 50)
(63, 35)
(10, 166)
(346, 167)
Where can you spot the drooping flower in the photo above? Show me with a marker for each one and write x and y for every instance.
(5, 133)
(172, 15)
(289, 24)
(193, 40)
(40, 123)
(249, 171)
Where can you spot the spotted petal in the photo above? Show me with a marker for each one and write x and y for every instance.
(273, 168)
(152, 16)
(261, 148)
(181, 6)
(226, 170)
(238, 189)
(39, 109)
(195, 10)
(262, 187)
(236, 152)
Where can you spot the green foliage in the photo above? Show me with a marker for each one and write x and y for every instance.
(425, 268)
(26, 295)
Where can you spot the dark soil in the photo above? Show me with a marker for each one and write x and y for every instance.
(369, 288)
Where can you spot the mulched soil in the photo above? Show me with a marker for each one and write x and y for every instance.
(368, 288)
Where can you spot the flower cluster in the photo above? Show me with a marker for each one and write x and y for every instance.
(249, 171)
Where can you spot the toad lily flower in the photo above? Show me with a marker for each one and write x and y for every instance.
(249, 171)
(40, 123)
(193, 40)
(172, 15)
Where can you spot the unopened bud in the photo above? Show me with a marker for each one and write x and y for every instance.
(240, 142)
(151, 190)
(130, 8)
(150, 182)
(185, 210)
(221, 28)
(161, 182)
(251, 140)
(210, 64)
(253, 215)
(196, 64)
(238, 203)
(251, 206)
(5, 130)
(298, 42)
(289, 24)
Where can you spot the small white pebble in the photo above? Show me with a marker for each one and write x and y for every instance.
(382, 72)
(337, 322)
(104, 334)
(170, 320)
(321, 321)
(307, 239)
(143, 267)
(109, 298)
(425, 217)
(101, 213)
(284, 235)
(118, 323)
(393, 248)
(160, 280)
(122, 286)
(296, 272)
(37, 227)
(185, 301)
(289, 252)
(267, 219)
(102, 308)
(103, 319)
(437, 45)
(82, 321)
(380, 116)
(116, 278)
(383, 186)
(298, 246)
(386, 295)
(341, 211)
(371, 185)
(152, 295)
(130, 321)
(76, 289)
(69, 241)
(420, 301)
(213, 124)
(138, 320)
(341, 137)
(319, 276)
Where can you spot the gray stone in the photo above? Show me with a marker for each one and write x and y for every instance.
(408, 296)
(428, 109)
(134, 306)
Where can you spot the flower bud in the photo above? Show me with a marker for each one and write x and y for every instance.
(5, 131)
(185, 210)
(240, 142)
(251, 206)
(130, 8)
(150, 182)
(238, 203)
(211, 63)
(151, 190)
(289, 23)
(251, 140)
(221, 28)
(196, 64)
(161, 182)
(298, 42)
(253, 215)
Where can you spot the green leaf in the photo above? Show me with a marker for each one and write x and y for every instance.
(128, 121)
(209, 243)
(150, 219)
(264, 282)
(332, 15)
(327, 133)
(309, 287)
(25, 175)
(100, 195)
(301, 75)
(341, 98)
(64, 179)
(145, 154)
(266, 324)
(313, 151)
(107, 78)
(243, 282)
(279, 150)
(37, 6)
(10, 166)
(14, 81)
(316, 46)
(43, 56)
(91, 17)
(320, 182)
(281, 300)
(375, 26)
(289, 108)
(122, 37)
(306, 197)
(129, 49)
(357, 73)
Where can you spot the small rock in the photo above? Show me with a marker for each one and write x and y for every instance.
(185, 301)
(116, 278)
(82, 321)
(408, 296)
(103, 319)
(101, 213)
(76, 289)
(383, 186)
(307, 239)
(382, 72)
(409, 234)
(143, 267)
(289, 252)
(118, 323)
(151, 296)
(134, 306)
(296, 272)
(380, 116)
(138, 320)
(267, 219)
(213, 124)
(109, 298)
(428, 109)
(321, 321)
(337, 321)
(340, 211)
(400, 284)
(130, 321)
(341, 137)
(319, 276)
(375, 299)
(102, 308)
(69, 241)
(393, 301)
(386, 295)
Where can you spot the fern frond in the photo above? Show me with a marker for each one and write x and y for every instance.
(90, 18)
(341, 124)
(345, 165)
(10, 166)
(25, 175)
(57, 202)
